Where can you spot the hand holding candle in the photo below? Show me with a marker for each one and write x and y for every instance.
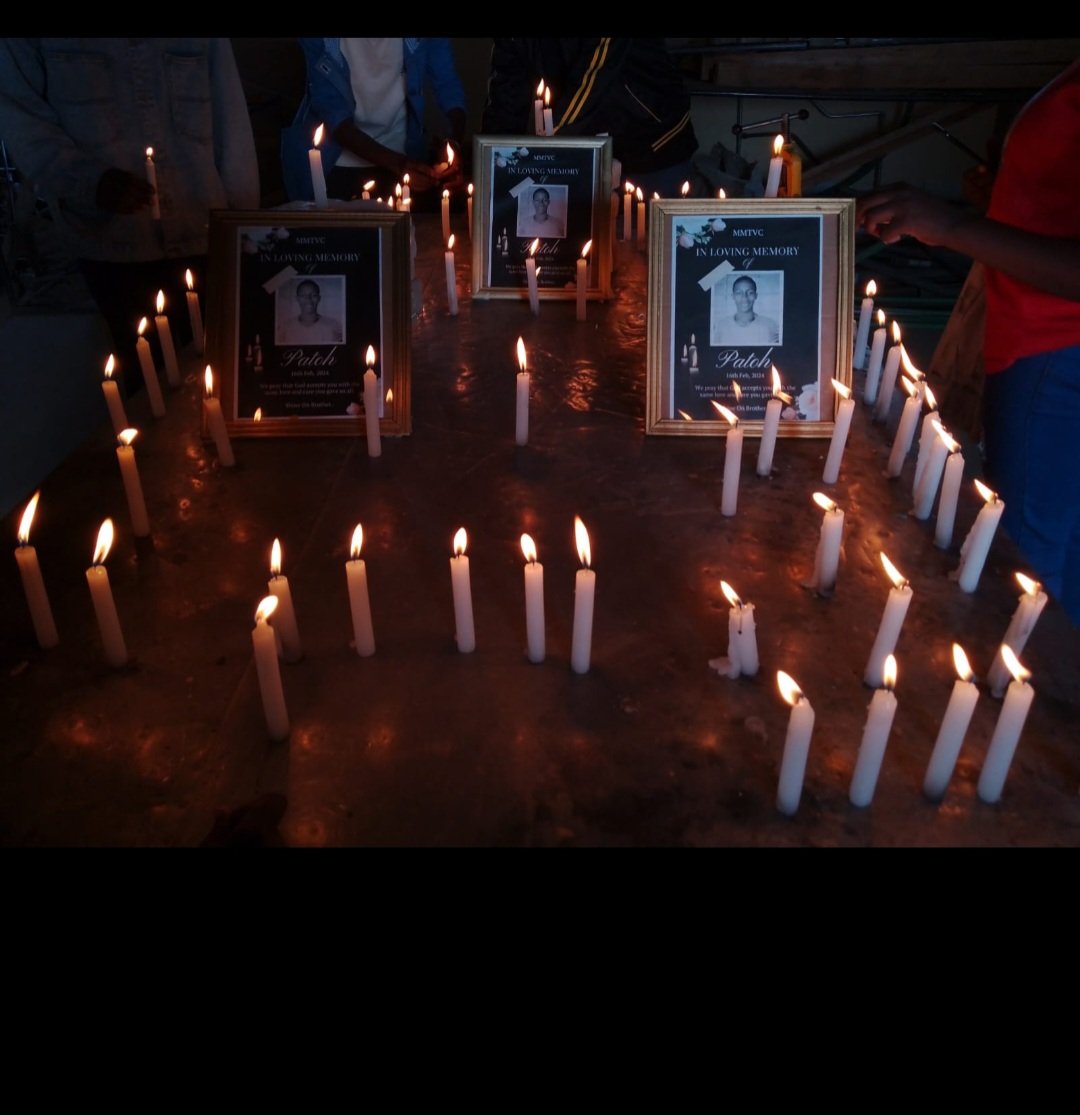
(521, 424)
(954, 726)
(359, 603)
(461, 585)
(97, 577)
(841, 427)
(534, 601)
(146, 362)
(371, 405)
(879, 719)
(584, 600)
(269, 673)
(37, 599)
(1002, 746)
(215, 421)
(796, 745)
(729, 501)
(194, 313)
(111, 390)
(892, 619)
(129, 473)
(291, 648)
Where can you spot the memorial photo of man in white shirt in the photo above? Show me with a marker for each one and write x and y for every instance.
(299, 316)
(542, 212)
(737, 323)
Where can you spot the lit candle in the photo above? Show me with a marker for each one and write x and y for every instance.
(977, 544)
(584, 600)
(146, 362)
(927, 435)
(534, 601)
(111, 390)
(269, 673)
(639, 230)
(129, 473)
(873, 365)
(468, 207)
(954, 726)
(521, 425)
(451, 277)
(905, 429)
(776, 165)
(950, 494)
(406, 189)
(549, 122)
(796, 745)
(215, 421)
(628, 194)
(1002, 747)
(827, 557)
(97, 577)
(841, 427)
(742, 635)
(768, 430)
(892, 619)
(291, 648)
(37, 599)
(366, 189)
(194, 313)
(462, 588)
(866, 312)
(1028, 610)
(582, 280)
(927, 490)
(168, 350)
(888, 377)
(538, 110)
(446, 214)
(684, 189)
(151, 177)
(875, 737)
(399, 199)
(318, 178)
(371, 405)
(729, 501)
(359, 604)
(530, 276)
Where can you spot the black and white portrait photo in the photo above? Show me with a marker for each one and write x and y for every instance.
(310, 310)
(748, 310)
(541, 211)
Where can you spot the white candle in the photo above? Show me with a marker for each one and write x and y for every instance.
(729, 500)
(549, 121)
(464, 631)
(866, 312)
(888, 378)
(318, 178)
(776, 165)
(368, 186)
(534, 601)
(892, 619)
(582, 280)
(37, 599)
(584, 601)
(639, 229)
(406, 191)
(521, 423)
(875, 737)
(530, 276)
(451, 277)
(976, 546)
(768, 430)
(999, 754)
(146, 362)
(468, 207)
(628, 193)
(841, 427)
(1030, 607)
(168, 349)
(129, 473)
(111, 390)
(905, 430)
(446, 214)
(873, 365)
(950, 494)
(927, 436)
(151, 177)
(194, 313)
(742, 635)
(359, 603)
(796, 745)
(827, 557)
(538, 110)
(97, 577)
(954, 726)
(269, 673)
(927, 490)
(371, 405)
(292, 649)
(215, 421)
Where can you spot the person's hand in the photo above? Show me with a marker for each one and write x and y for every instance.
(903, 211)
(422, 177)
(119, 191)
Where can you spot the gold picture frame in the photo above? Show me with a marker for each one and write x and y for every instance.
(799, 256)
(298, 296)
(575, 173)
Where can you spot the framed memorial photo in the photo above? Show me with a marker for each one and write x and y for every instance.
(554, 191)
(737, 287)
(299, 296)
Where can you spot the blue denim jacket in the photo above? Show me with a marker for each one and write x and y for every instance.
(70, 108)
(329, 100)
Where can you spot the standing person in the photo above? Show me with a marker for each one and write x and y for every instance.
(628, 88)
(79, 114)
(1029, 242)
(369, 94)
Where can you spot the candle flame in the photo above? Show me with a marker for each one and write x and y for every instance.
(909, 367)
(521, 354)
(208, 382)
(894, 574)
(357, 542)
(370, 185)
(656, 195)
(369, 356)
(540, 89)
(640, 195)
(449, 155)
(581, 537)
(724, 413)
(1028, 584)
(585, 250)
(840, 389)
(149, 152)
(275, 559)
(888, 672)
(686, 416)
(460, 541)
(881, 319)
(895, 332)
(823, 501)
(257, 416)
(319, 134)
(528, 548)
(160, 301)
(266, 608)
(28, 518)
(778, 145)
(871, 289)
(110, 366)
(987, 494)
(684, 189)
(143, 325)
(450, 243)
(446, 195)
(189, 279)
(721, 194)
(126, 437)
(469, 189)
(405, 179)
(960, 661)
(734, 385)
(951, 443)
(928, 395)
(629, 187)
(389, 395)
(533, 246)
(547, 97)
(909, 386)
(789, 688)
(397, 190)
(731, 594)
(104, 542)
(775, 381)
(1015, 666)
